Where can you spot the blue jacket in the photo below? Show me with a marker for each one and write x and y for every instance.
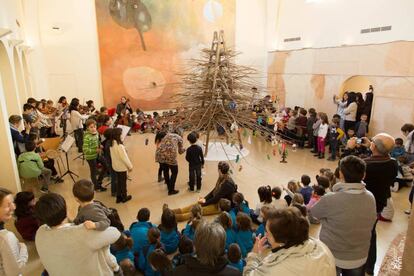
(139, 232)
(189, 231)
(123, 254)
(230, 237)
(143, 262)
(233, 215)
(18, 137)
(306, 193)
(170, 240)
(239, 265)
(245, 241)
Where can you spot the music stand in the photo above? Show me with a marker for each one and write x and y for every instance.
(65, 146)
(51, 146)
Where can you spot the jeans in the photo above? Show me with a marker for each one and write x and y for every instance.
(79, 138)
(113, 181)
(121, 190)
(359, 271)
(195, 176)
(372, 253)
(333, 144)
(94, 172)
(170, 180)
(45, 175)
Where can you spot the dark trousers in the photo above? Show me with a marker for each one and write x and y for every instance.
(348, 125)
(121, 189)
(334, 145)
(170, 180)
(96, 180)
(113, 181)
(195, 177)
(372, 253)
(50, 164)
(359, 271)
(79, 138)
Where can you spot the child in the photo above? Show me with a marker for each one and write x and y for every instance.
(240, 205)
(278, 203)
(196, 217)
(405, 174)
(120, 164)
(160, 263)
(309, 125)
(306, 190)
(244, 235)
(122, 249)
(322, 133)
(30, 165)
(361, 127)
(158, 138)
(92, 214)
(323, 181)
(91, 149)
(185, 248)
(335, 135)
(298, 199)
(105, 123)
(154, 243)
(195, 159)
(234, 256)
(265, 197)
(225, 206)
(224, 220)
(318, 192)
(168, 228)
(315, 130)
(106, 144)
(140, 228)
(292, 188)
(399, 149)
(265, 210)
(26, 224)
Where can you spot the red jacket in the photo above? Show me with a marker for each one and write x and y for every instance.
(27, 227)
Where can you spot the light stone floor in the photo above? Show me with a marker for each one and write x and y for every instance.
(257, 170)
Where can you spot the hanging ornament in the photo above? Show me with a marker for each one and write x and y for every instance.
(249, 140)
(237, 158)
(260, 120)
(240, 168)
(268, 157)
(231, 171)
(275, 127)
(254, 132)
(245, 132)
(146, 141)
(234, 127)
(232, 143)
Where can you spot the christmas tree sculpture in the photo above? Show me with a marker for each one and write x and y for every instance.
(217, 95)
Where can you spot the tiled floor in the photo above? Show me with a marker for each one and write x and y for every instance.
(257, 170)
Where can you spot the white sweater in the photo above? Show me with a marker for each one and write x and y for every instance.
(13, 254)
(120, 159)
(323, 130)
(351, 111)
(77, 119)
(72, 250)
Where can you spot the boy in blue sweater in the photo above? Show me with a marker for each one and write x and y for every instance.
(139, 230)
(234, 257)
(169, 233)
(224, 220)
(244, 235)
(306, 190)
(153, 236)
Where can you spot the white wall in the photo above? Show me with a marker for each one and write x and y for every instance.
(325, 23)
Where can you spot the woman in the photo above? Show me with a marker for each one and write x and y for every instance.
(350, 112)
(361, 106)
(292, 251)
(225, 188)
(209, 245)
(408, 131)
(62, 109)
(13, 254)
(76, 121)
(369, 98)
(341, 104)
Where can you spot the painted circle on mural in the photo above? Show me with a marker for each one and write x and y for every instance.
(144, 83)
(213, 10)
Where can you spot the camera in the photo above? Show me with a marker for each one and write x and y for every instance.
(359, 141)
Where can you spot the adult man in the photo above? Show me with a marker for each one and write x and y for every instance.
(347, 216)
(68, 249)
(166, 155)
(380, 175)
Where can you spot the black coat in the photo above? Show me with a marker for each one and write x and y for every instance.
(193, 267)
(227, 190)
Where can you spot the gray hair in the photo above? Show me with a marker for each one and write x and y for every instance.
(381, 145)
(209, 242)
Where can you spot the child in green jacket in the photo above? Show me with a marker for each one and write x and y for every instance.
(91, 150)
(30, 165)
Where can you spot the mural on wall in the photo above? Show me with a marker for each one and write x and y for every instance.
(144, 45)
(311, 77)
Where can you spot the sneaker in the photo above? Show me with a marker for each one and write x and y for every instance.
(198, 191)
(160, 179)
(407, 212)
(100, 189)
(173, 192)
(118, 199)
(44, 190)
(127, 198)
(59, 180)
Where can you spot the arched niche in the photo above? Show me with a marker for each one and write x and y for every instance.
(355, 84)
(27, 75)
(6, 72)
(19, 76)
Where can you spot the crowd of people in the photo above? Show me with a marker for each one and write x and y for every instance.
(269, 238)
